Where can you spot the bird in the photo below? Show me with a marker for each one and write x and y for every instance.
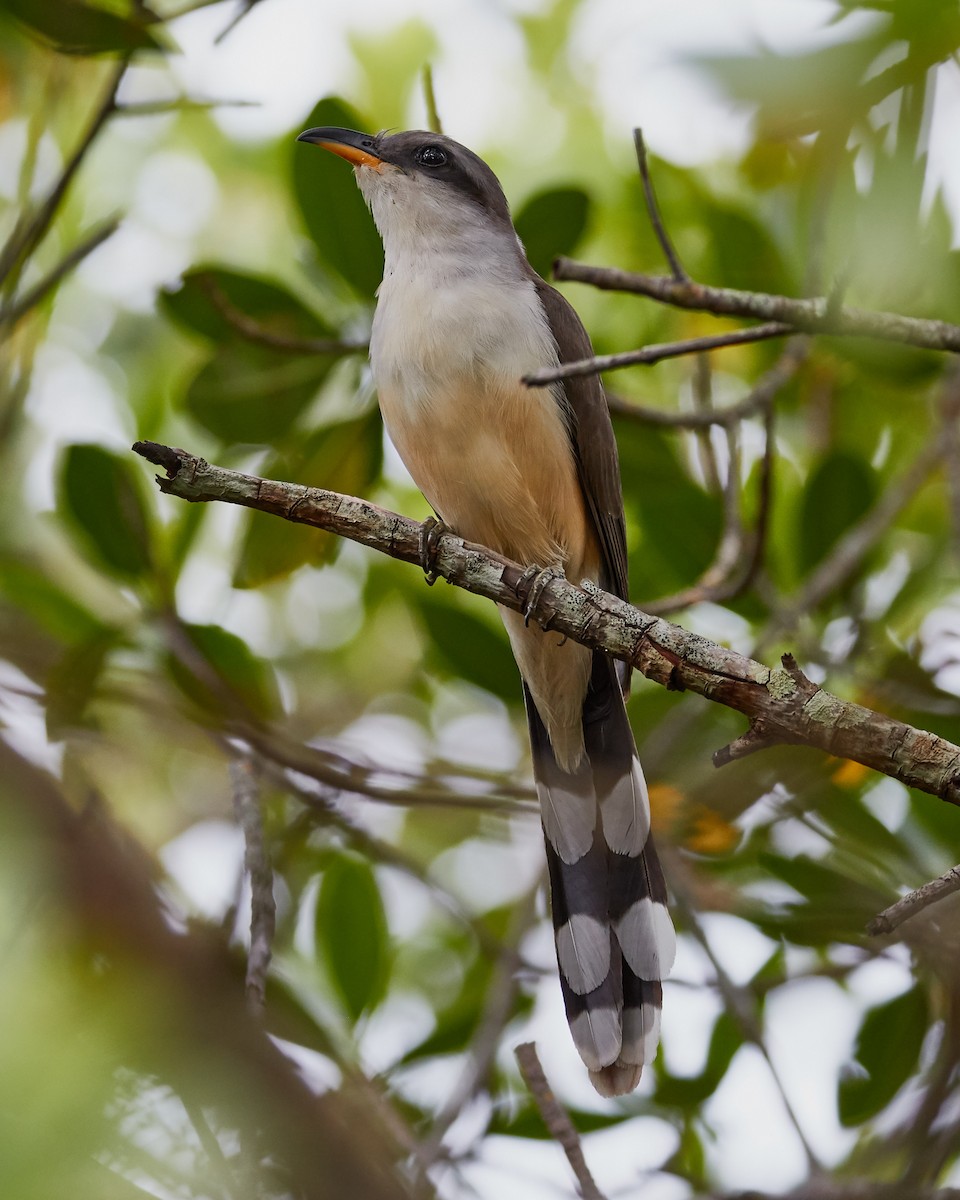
(533, 474)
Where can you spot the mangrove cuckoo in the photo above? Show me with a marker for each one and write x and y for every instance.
(532, 473)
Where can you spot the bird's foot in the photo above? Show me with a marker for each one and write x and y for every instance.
(532, 584)
(431, 531)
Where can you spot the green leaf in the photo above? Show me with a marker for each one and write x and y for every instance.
(75, 28)
(837, 907)
(468, 645)
(72, 683)
(661, 496)
(690, 1160)
(745, 255)
(332, 208)
(888, 1046)
(47, 605)
(552, 223)
(527, 1122)
(797, 94)
(341, 458)
(458, 1020)
(249, 393)
(351, 930)
(838, 493)
(99, 494)
(452, 1034)
(288, 1017)
(219, 672)
(271, 306)
(680, 1092)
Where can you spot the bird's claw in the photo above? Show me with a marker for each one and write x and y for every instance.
(431, 531)
(534, 581)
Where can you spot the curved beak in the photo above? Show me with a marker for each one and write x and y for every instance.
(357, 148)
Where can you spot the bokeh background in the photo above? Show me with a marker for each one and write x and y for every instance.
(797, 147)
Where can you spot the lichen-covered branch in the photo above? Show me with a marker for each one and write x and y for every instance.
(817, 315)
(782, 702)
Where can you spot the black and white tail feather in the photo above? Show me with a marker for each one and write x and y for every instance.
(614, 938)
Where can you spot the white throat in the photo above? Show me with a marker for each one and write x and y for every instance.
(456, 299)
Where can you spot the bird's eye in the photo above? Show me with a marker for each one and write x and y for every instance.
(431, 156)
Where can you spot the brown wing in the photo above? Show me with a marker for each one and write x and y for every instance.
(593, 440)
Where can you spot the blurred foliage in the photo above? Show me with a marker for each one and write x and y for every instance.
(142, 640)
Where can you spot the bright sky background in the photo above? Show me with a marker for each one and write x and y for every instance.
(285, 55)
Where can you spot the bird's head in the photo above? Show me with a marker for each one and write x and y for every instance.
(419, 183)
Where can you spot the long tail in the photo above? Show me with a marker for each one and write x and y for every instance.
(614, 938)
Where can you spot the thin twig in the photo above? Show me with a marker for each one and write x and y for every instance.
(190, 7)
(211, 1146)
(653, 209)
(729, 551)
(853, 546)
(758, 399)
(501, 993)
(245, 8)
(764, 490)
(811, 316)
(739, 556)
(558, 1123)
(702, 380)
(951, 453)
(726, 576)
(738, 1001)
(256, 861)
(346, 775)
(253, 331)
(323, 811)
(36, 128)
(434, 124)
(647, 355)
(703, 402)
(152, 108)
(824, 1188)
(15, 309)
(29, 233)
(923, 1144)
(915, 902)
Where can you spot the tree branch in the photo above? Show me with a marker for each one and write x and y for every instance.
(648, 355)
(498, 1008)
(430, 100)
(343, 774)
(849, 1189)
(790, 707)
(18, 308)
(653, 209)
(323, 811)
(817, 315)
(739, 1001)
(29, 233)
(256, 862)
(914, 902)
(758, 399)
(194, 1030)
(849, 551)
(557, 1121)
